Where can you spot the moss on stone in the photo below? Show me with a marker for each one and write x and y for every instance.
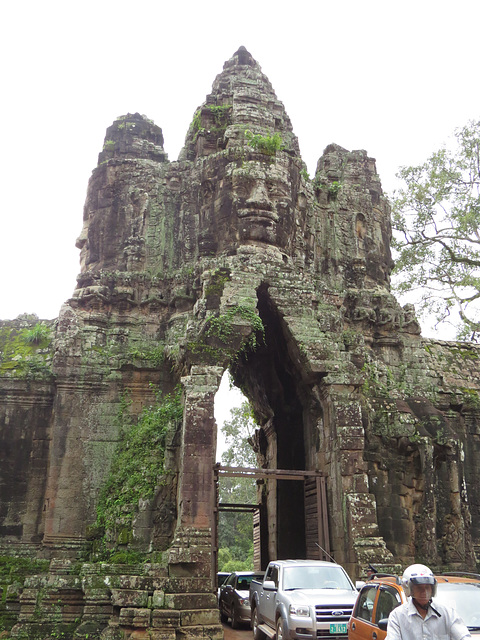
(26, 351)
(137, 469)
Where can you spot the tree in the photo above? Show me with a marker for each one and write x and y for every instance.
(436, 216)
(236, 528)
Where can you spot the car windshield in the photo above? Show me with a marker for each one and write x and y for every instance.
(243, 582)
(464, 597)
(321, 577)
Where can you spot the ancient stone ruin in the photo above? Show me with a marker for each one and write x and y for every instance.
(229, 258)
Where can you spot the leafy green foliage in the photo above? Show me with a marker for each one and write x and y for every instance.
(437, 219)
(223, 326)
(334, 188)
(221, 119)
(155, 355)
(268, 145)
(236, 528)
(138, 465)
(221, 114)
(25, 352)
(13, 571)
(37, 334)
(304, 174)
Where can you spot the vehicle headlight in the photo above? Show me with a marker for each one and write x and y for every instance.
(299, 610)
(244, 602)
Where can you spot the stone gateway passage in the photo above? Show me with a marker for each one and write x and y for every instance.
(230, 258)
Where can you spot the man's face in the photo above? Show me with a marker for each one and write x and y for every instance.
(422, 593)
(262, 202)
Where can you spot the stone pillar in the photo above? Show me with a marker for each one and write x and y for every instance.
(353, 516)
(197, 486)
(457, 540)
(426, 537)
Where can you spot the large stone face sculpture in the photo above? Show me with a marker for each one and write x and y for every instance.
(230, 258)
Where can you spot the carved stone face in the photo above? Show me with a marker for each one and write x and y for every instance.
(262, 203)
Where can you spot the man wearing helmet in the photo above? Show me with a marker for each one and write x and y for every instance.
(420, 618)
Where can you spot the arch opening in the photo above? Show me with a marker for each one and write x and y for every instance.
(280, 400)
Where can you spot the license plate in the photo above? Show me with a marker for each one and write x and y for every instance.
(340, 627)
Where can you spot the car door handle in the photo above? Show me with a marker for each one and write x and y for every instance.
(353, 626)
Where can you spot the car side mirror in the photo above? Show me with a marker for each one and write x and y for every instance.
(382, 624)
(269, 585)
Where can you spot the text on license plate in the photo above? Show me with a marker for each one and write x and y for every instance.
(339, 627)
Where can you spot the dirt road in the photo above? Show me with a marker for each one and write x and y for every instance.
(243, 633)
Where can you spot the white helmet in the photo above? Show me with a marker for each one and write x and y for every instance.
(418, 574)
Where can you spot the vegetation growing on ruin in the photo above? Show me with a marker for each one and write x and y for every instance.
(109, 145)
(217, 282)
(224, 326)
(304, 173)
(26, 351)
(13, 571)
(137, 468)
(221, 114)
(268, 144)
(154, 355)
(220, 336)
(469, 397)
(221, 119)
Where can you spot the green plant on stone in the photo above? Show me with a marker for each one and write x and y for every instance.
(137, 467)
(37, 334)
(268, 145)
(26, 351)
(197, 124)
(304, 174)
(109, 145)
(217, 282)
(378, 381)
(222, 326)
(334, 188)
(470, 398)
(220, 114)
(155, 355)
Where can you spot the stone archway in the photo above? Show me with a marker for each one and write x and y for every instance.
(234, 258)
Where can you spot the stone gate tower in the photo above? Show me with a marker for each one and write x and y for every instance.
(229, 258)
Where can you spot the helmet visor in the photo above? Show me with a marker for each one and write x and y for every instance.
(422, 580)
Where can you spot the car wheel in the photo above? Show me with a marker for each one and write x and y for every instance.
(257, 633)
(234, 618)
(280, 630)
(223, 617)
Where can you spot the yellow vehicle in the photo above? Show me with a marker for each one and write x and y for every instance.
(380, 595)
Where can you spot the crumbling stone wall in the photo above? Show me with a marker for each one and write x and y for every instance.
(231, 257)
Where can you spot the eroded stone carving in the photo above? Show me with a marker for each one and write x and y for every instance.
(232, 257)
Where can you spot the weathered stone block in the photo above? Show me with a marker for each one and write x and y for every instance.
(200, 632)
(191, 600)
(133, 617)
(199, 617)
(129, 598)
(165, 618)
(161, 634)
(158, 599)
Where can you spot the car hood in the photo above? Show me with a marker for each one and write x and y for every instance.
(326, 596)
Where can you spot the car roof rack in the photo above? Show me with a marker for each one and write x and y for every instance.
(465, 574)
(386, 575)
